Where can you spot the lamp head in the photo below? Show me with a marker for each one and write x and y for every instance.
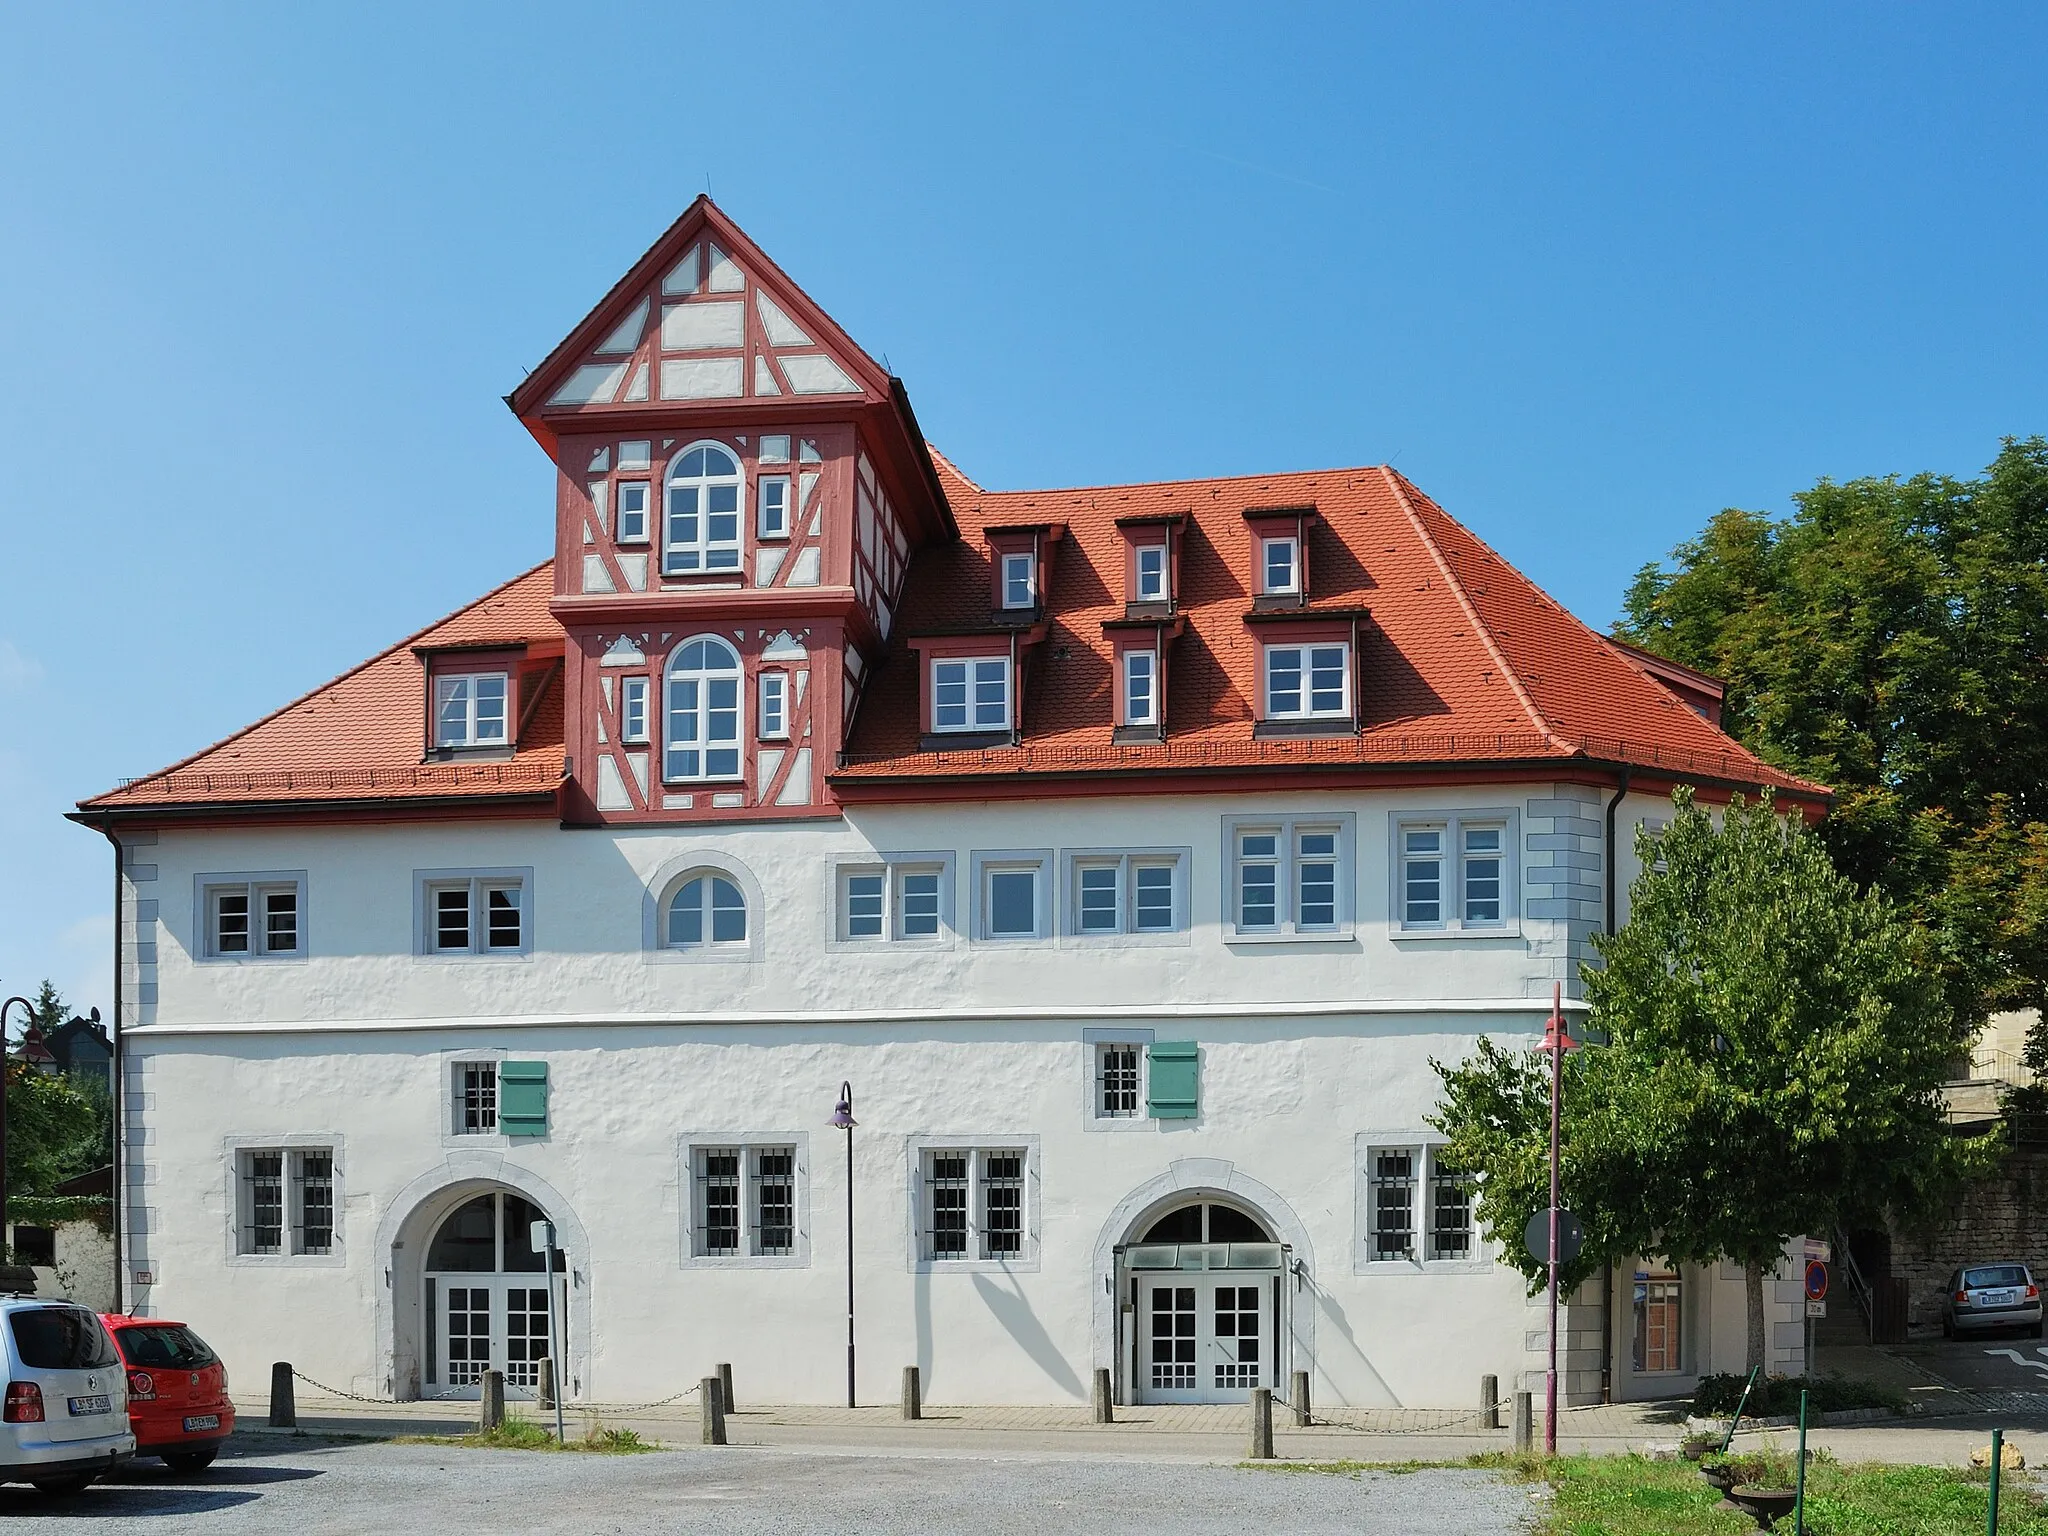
(842, 1113)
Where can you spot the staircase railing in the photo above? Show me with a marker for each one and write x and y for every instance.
(1858, 1287)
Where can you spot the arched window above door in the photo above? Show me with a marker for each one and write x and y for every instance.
(1204, 1222)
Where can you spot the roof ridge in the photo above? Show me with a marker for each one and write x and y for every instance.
(336, 680)
(954, 469)
(1398, 484)
(1157, 485)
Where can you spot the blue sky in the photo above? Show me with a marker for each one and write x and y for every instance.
(1586, 273)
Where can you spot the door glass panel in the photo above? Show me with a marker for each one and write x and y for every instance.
(468, 1240)
(520, 1255)
(469, 1334)
(1237, 1336)
(1173, 1337)
(526, 1334)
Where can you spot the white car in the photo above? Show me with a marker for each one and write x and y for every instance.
(65, 1419)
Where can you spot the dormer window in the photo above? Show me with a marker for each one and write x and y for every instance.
(971, 693)
(1141, 688)
(1020, 581)
(470, 709)
(1308, 682)
(1280, 565)
(1148, 573)
(703, 529)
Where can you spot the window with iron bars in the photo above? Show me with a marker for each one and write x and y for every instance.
(287, 1201)
(1418, 1208)
(975, 1203)
(476, 1098)
(1393, 1203)
(1116, 1079)
(746, 1201)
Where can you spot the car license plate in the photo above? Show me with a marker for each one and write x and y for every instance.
(1997, 1298)
(202, 1421)
(81, 1406)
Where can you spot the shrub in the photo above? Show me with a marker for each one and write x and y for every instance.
(1774, 1395)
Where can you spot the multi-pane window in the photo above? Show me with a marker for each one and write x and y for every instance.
(772, 500)
(481, 916)
(1123, 893)
(1308, 682)
(1116, 1079)
(745, 1201)
(975, 1204)
(1279, 565)
(703, 513)
(1291, 877)
(1150, 567)
(286, 1201)
(703, 712)
(718, 1200)
(900, 901)
(971, 694)
(1418, 1209)
(476, 1098)
(1453, 873)
(633, 710)
(632, 511)
(1010, 901)
(706, 911)
(773, 1172)
(1141, 688)
(774, 713)
(252, 919)
(1659, 1323)
(1019, 585)
(470, 709)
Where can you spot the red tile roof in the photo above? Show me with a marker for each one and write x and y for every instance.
(360, 737)
(1462, 660)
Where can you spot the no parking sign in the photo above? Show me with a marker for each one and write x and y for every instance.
(1816, 1288)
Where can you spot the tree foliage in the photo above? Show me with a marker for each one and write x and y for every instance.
(1890, 639)
(57, 1126)
(1771, 1042)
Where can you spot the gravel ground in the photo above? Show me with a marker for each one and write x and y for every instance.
(429, 1490)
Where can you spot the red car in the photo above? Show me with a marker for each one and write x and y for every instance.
(177, 1391)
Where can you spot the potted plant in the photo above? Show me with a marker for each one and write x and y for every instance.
(1694, 1446)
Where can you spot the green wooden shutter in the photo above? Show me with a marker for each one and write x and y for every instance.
(1176, 1079)
(523, 1098)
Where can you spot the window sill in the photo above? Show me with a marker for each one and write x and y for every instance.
(467, 957)
(731, 573)
(1118, 1124)
(801, 1260)
(1164, 938)
(1026, 1265)
(687, 786)
(723, 954)
(294, 958)
(335, 1260)
(1436, 935)
(1345, 936)
(1422, 1267)
(941, 942)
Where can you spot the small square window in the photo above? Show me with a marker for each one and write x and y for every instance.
(1019, 583)
(251, 920)
(1116, 1079)
(1149, 565)
(1012, 903)
(774, 711)
(637, 454)
(775, 448)
(1279, 566)
(633, 711)
(475, 916)
(476, 1098)
(632, 512)
(773, 499)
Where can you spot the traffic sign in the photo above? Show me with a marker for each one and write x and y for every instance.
(1816, 1281)
(1817, 1248)
(1816, 1309)
(1571, 1237)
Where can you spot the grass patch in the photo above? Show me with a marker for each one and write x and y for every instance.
(517, 1434)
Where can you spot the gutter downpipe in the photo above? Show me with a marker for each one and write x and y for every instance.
(1607, 1273)
(119, 1182)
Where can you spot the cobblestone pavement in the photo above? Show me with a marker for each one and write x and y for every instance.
(316, 1489)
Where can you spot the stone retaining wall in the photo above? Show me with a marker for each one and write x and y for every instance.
(2002, 1217)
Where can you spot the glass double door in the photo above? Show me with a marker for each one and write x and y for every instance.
(486, 1298)
(1204, 1338)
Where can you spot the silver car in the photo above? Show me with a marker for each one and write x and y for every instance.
(65, 1419)
(1991, 1296)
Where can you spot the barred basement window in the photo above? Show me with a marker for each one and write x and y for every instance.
(1393, 1204)
(975, 1204)
(718, 1200)
(1002, 1205)
(476, 1098)
(946, 1183)
(775, 1200)
(1116, 1079)
(313, 1191)
(263, 1177)
(1450, 1213)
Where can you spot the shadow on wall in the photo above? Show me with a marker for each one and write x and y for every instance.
(1328, 1306)
(1015, 1314)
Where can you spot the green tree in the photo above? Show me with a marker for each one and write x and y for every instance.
(51, 1014)
(1772, 1044)
(1890, 639)
(54, 1130)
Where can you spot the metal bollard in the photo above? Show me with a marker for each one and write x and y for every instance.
(491, 1405)
(1525, 1421)
(1105, 1412)
(545, 1397)
(913, 1395)
(284, 1406)
(712, 1399)
(725, 1386)
(1489, 1401)
(1302, 1417)
(1262, 1424)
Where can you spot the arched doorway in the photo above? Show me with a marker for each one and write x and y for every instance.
(485, 1297)
(1208, 1298)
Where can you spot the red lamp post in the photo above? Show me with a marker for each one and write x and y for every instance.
(1556, 1042)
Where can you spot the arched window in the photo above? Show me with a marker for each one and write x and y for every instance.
(703, 532)
(706, 909)
(703, 711)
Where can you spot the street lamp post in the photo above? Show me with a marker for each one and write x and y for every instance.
(1556, 1042)
(842, 1120)
(30, 1009)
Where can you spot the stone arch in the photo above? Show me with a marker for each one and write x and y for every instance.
(1193, 1178)
(409, 1224)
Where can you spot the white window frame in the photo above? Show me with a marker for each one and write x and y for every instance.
(667, 881)
(255, 886)
(986, 865)
(1293, 545)
(703, 546)
(1093, 1043)
(690, 1146)
(973, 671)
(922, 1149)
(776, 527)
(1306, 708)
(1425, 1148)
(1126, 862)
(426, 883)
(1018, 565)
(635, 700)
(292, 1148)
(469, 736)
(1453, 824)
(635, 532)
(1287, 830)
(703, 743)
(771, 703)
(893, 869)
(1138, 592)
(708, 943)
(1150, 658)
